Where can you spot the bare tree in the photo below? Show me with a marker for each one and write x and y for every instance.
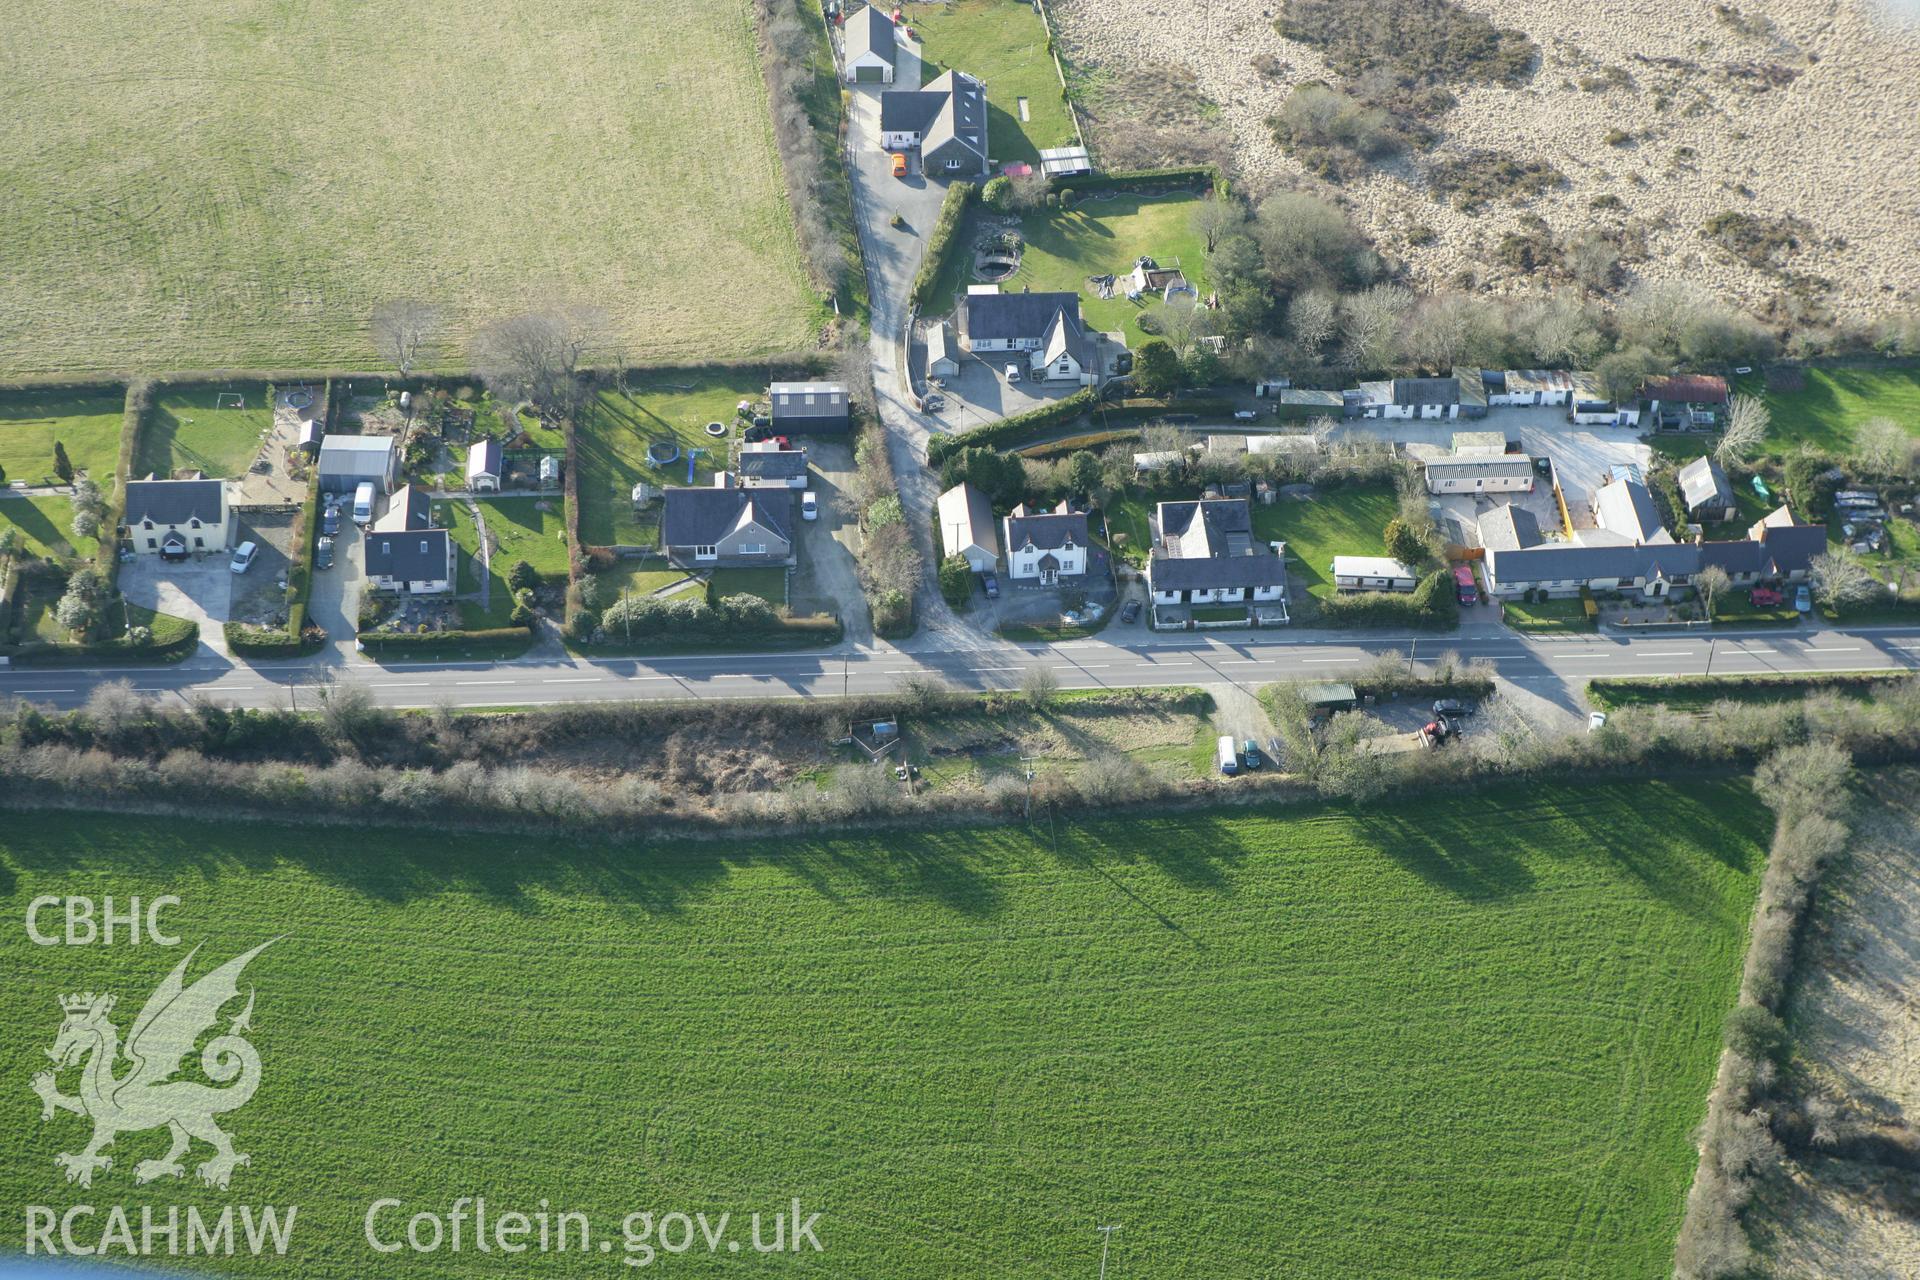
(1039, 685)
(1561, 330)
(1747, 422)
(1372, 326)
(1441, 329)
(1841, 578)
(1313, 317)
(401, 331)
(89, 509)
(1027, 191)
(1710, 582)
(1322, 430)
(1884, 447)
(538, 355)
(1182, 321)
(1217, 218)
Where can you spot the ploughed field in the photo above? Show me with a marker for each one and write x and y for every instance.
(241, 185)
(1452, 1036)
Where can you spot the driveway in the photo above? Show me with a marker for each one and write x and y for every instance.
(980, 392)
(199, 589)
(827, 579)
(334, 604)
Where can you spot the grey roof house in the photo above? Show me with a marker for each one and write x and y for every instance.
(402, 551)
(773, 469)
(966, 527)
(1775, 549)
(946, 120)
(717, 527)
(1626, 508)
(1708, 493)
(871, 43)
(1045, 327)
(176, 518)
(809, 406)
(1205, 552)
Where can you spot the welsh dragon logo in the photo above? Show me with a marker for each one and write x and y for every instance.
(147, 1096)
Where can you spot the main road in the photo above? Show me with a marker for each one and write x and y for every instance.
(1552, 669)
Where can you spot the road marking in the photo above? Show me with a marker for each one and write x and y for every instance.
(1577, 656)
(1835, 648)
(1234, 662)
(405, 684)
(468, 682)
(996, 668)
(653, 677)
(1671, 653)
(1090, 666)
(575, 680)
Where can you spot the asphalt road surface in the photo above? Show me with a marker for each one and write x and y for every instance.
(1554, 669)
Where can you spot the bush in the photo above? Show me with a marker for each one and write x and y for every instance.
(956, 581)
(944, 241)
(522, 576)
(653, 620)
(1480, 177)
(1429, 607)
(1757, 1035)
(267, 642)
(1142, 180)
(500, 639)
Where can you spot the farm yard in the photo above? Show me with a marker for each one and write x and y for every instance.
(613, 432)
(217, 430)
(85, 421)
(513, 153)
(1463, 1036)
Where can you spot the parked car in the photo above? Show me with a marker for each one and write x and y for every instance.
(809, 506)
(1250, 754)
(330, 519)
(899, 164)
(243, 556)
(1765, 598)
(1244, 415)
(1803, 600)
(1446, 707)
(363, 504)
(1130, 612)
(1596, 720)
(323, 554)
(1013, 373)
(990, 584)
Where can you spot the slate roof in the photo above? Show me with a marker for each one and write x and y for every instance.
(1686, 388)
(702, 517)
(774, 464)
(951, 109)
(1216, 527)
(1046, 530)
(1705, 485)
(1188, 573)
(871, 31)
(1778, 551)
(966, 520)
(408, 508)
(1472, 386)
(1509, 528)
(483, 459)
(1066, 336)
(173, 501)
(909, 110)
(409, 555)
(1626, 508)
(1009, 316)
(789, 401)
(1415, 391)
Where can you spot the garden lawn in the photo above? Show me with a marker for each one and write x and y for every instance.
(1004, 46)
(87, 422)
(1334, 522)
(639, 578)
(1128, 522)
(1546, 616)
(186, 428)
(46, 522)
(1096, 237)
(520, 532)
(1835, 402)
(769, 584)
(1456, 1036)
(612, 432)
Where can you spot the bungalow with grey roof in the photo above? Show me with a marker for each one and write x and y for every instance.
(1776, 549)
(1045, 328)
(945, 120)
(1205, 553)
(722, 527)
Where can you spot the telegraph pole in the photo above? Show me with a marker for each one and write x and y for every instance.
(1106, 1243)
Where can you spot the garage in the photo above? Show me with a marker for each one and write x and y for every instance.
(870, 75)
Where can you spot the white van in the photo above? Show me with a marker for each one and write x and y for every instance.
(1013, 373)
(363, 504)
(1228, 757)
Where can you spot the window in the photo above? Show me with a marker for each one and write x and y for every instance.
(147, 524)
(150, 543)
(753, 548)
(705, 553)
(198, 542)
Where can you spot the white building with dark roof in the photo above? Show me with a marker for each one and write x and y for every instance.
(872, 43)
(1044, 328)
(173, 519)
(945, 121)
(1046, 545)
(1205, 553)
(966, 527)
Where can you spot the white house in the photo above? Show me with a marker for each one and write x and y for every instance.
(484, 467)
(1480, 474)
(871, 44)
(966, 527)
(940, 352)
(1372, 573)
(347, 462)
(1204, 553)
(175, 518)
(1776, 549)
(945, 120)
(773, 469)
(1045, 329)
(402, 552)
(1046, 545)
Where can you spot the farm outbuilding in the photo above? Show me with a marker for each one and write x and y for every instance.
(871, 44)
(347, 462)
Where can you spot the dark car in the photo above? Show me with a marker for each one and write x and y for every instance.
(1451, 708)
(323, 554)
(990, 584)
(330, 520)
(1130, 612)
(1250, 754)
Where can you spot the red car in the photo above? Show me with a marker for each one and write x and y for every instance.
(1765, 598)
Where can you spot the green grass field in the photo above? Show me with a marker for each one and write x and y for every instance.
(1457, 1037)
(769, 584)
(241, 188)
(1835, 402)
(520, 532)
(206, 429)
(1337, 522)
(1005, 47)
(613, 432)
(87, 423)
(47, 525)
